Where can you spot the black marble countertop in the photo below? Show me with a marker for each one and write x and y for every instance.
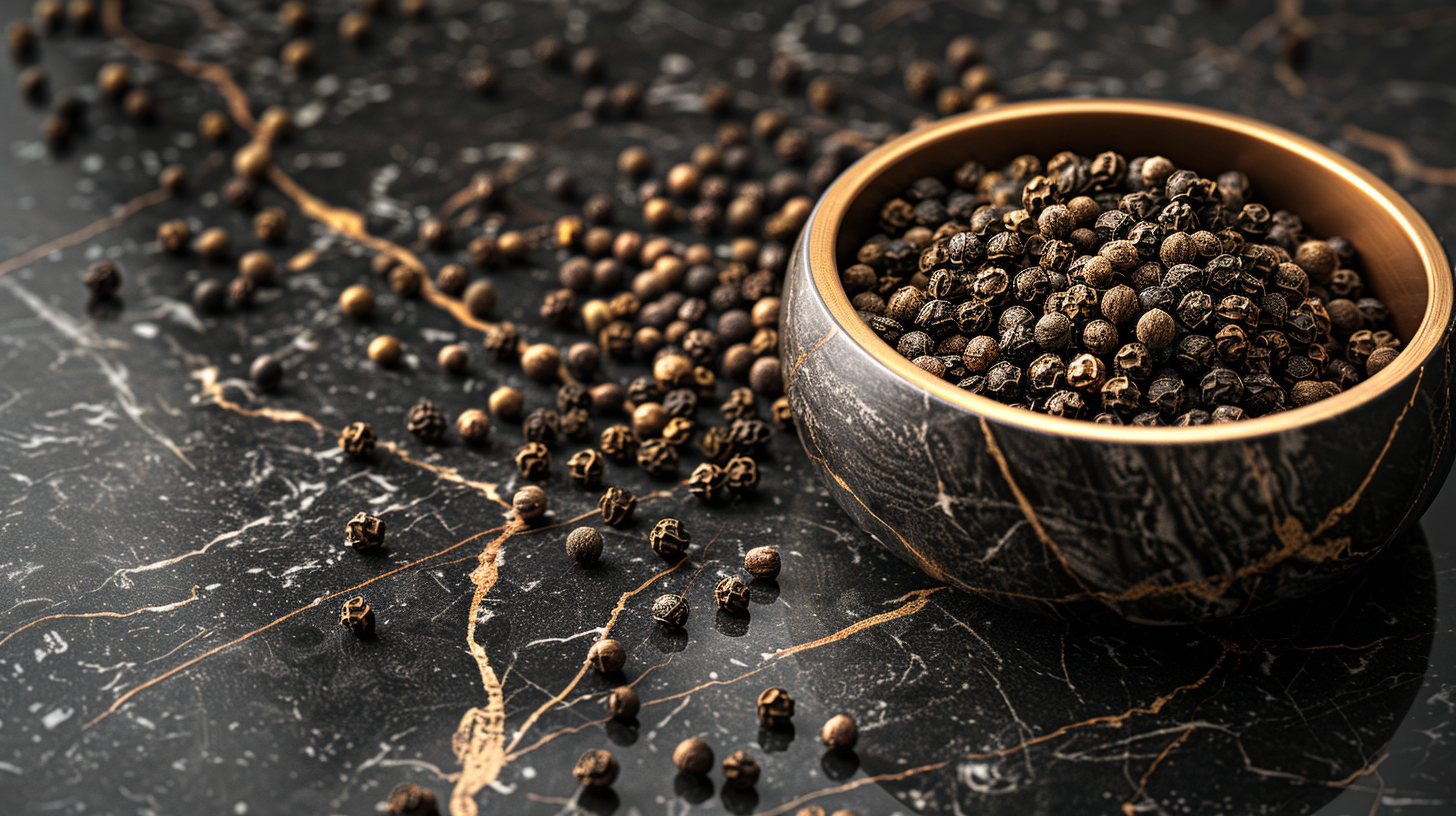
(171, 554)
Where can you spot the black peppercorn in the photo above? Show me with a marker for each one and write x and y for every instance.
(693, 756)
(669, 538)
(762, 562)
(364, 532)
(731, 595)
(607, 656)
(103, 279)
(623, 703)
(586, 468)
(741, 770)
(357, 615)
(775, 708)
(266, 372)
(616, 506)
(709, 482)
(533, 459)
(658, 457)
(411, 800)
(596, 768)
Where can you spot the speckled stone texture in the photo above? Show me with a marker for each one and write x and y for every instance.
(172, 556)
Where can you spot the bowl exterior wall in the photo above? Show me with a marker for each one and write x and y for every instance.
(1160, 532)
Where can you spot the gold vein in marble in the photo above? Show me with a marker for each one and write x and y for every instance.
(87, 232)
(159, 608)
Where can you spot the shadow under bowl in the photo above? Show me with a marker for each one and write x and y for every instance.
(1156, 525)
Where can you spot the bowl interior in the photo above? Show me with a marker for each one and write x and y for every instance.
(1402, 261)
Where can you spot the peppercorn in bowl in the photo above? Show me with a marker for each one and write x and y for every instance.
(1162, 361)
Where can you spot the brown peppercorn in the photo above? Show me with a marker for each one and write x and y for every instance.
(659, 213)
(672, 371)
(173, 179)
(762, 562)
(541, 362)
(718, 97)
(214, 126)
(172, 236)
(731, 595)
(113, 79)
(385, 350)
(783, 415)
(627, 97)
(530, 503)
(479, 298)
(103, 279)
(693, 756)
(258, 267)
(922, 78)
(823, 94)
(240, 291)
(616, 506)
(81, 13)
(453, 358)
(507, 403)
(634, 162)
(584, 545)
(766, 377)
(962, 52)
(452, 279)
(775, 708)
(596, 768)
(270, 224)
(239, 191)
(426, 422)
(607, 656)
(411, 800)
(364, 532)
(741, 770)
(839, 733)
(623, 703)
(357, 440)
(670, 611)
(742, 471)
(533, 460)
(355, 26)
(357, 615)
(473, 425)
(214, 243)
(139, 105)
(252, 160)
(669, 538)
(298, 54)
(1156, 329)
(1379, 359)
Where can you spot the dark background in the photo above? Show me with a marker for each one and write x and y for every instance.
(144, 528)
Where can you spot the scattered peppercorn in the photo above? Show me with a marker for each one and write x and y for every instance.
(364, 532)
(607, 656)
(762, 562)
(357, 615)
(670, 610)
(266, 372)
(473, 425)
(693, 756)
(357, 440)
(616, 506)
(839, 733)
(731, 595)
(411, 800)
(530, 503)
(741, 770)
(103, 279)
(596, 768)
(385, 350)
(584, 545)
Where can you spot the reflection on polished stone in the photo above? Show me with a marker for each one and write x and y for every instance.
(774, 740)
(622, 733)
(1010, 713)
(739, 801)
(734, 626)
(763, 591)
(692, 788)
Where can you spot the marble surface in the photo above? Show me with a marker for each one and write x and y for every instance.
(171, 553)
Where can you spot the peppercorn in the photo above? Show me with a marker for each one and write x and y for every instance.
(762, 562)
(658, 458)
(139, 104)
(357, 440)
(623, 704)
(103, 279)
(708, 482)
(266, 372)
(742, 474)
(693, 756)
(411, 800)
(741, 770)
(172, 236)
(783, 415)
(453, 358)
(385, 351)
(113, 78)
(252, 160)
(81, 13)
(214, 243)
(364, 532)
(607, 656)
(731, 595)
(426, 422)
(257, 266)
(533, 460)
(298, 54)
(616, 506)
(357, 615)
(775, 708)
(507, 403)
(541, 362)
(823, 94)
(839, 733)
(670, 611)
(357, 301)
(922, 78)
(270, 224)
(210, 296)
(473, 425)
(239, 191)
(240, 291)
(718, 97)
(173, 179)
(584, 545)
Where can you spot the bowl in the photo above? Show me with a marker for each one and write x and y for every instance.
(1153, 525)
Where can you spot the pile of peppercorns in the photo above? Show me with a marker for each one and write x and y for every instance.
(1122, 291)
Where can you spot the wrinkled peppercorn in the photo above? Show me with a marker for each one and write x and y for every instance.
(670, 611)
(731, 595)
(586, 468)
(616, 506)
(364, 532)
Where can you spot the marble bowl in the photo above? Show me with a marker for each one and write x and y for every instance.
(1158, 525)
